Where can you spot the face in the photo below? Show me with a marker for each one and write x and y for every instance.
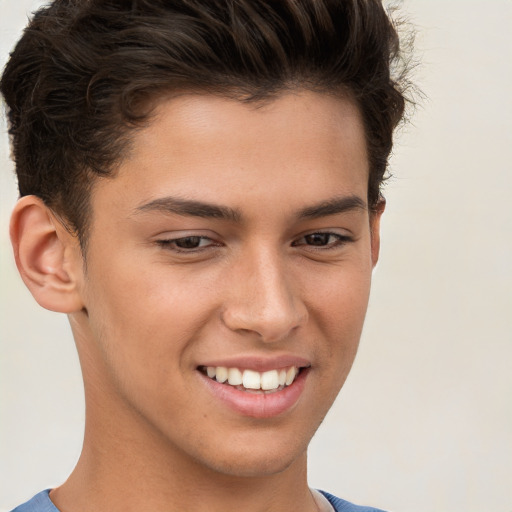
(228, 273)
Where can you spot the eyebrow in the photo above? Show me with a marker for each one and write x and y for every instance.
(333, 206)
(188, 207)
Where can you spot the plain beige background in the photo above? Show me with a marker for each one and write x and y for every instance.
(424, 422)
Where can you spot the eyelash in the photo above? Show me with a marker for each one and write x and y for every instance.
(171, 244)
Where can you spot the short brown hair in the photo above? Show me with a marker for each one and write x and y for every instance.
(79, 79)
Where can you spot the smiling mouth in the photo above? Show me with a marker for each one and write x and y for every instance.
(253, 381)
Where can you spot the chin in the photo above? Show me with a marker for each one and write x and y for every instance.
(257, 455)
(255, 466)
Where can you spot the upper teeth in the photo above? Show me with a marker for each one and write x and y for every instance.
(251, 379)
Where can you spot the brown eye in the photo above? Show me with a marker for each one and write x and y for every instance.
(322, 240)
(319, 239)
(189, 242)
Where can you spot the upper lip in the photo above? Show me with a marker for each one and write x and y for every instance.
(260, 363)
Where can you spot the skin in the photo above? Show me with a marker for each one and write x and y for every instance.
(146, 313)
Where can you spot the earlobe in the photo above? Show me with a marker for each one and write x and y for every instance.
(375, 217)
(47, 256)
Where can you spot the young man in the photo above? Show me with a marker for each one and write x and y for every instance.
(199, 190)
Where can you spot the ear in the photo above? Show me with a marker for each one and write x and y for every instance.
(48, 257)
(375, 217)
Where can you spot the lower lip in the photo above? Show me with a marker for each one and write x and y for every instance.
(258, 405)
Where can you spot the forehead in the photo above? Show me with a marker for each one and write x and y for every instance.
(295, 116)
(215, 149)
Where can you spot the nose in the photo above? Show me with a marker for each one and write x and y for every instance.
(263, 300)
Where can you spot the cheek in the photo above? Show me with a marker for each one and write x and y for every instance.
(338, 312)
(140, 316)
(341, 302)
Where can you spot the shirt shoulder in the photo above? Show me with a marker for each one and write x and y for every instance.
(340, 505)
(41, 502)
